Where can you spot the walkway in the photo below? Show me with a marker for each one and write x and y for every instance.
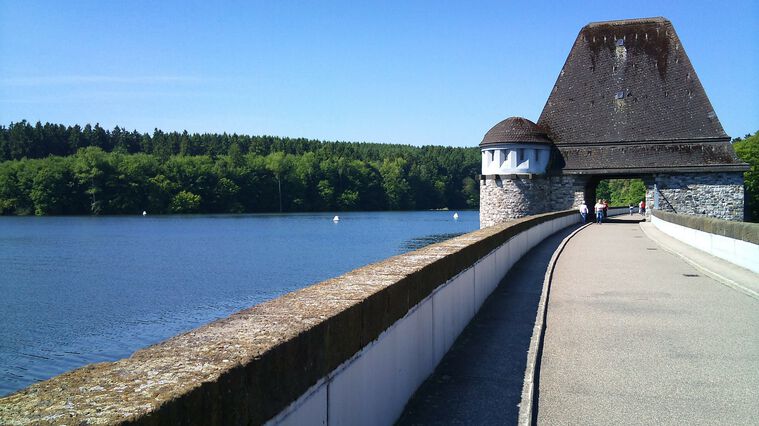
(635, 335)
(479, 381)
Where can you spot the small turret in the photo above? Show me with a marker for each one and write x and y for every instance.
(515, 146)
(513, 183)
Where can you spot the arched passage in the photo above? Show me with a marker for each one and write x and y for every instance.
(617, 190)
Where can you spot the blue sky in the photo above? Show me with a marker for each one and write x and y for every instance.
(422, 73)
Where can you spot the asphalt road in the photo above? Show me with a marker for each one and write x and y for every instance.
(635, 335)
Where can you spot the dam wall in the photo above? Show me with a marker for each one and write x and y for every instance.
(352, 349)
(735, 242)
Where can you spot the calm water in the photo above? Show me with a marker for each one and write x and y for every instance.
(76, 290)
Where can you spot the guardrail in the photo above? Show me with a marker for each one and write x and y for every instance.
(349, 350)
(735, 242)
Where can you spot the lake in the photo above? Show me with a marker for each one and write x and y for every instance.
(77, 290)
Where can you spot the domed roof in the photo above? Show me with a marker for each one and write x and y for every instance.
(515, 130)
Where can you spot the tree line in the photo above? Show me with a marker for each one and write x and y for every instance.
(55, 169)
(24, 140)
(747, 149)
(621, 192)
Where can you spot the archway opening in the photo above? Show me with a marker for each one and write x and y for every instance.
(618, 191)
(621, 192)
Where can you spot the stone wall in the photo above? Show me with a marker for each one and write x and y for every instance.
(567, 191)
(503, 198)
(718, 195)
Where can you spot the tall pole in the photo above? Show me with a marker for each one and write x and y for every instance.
(656, 197)
(279, 187)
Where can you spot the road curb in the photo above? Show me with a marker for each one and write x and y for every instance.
(529, 402)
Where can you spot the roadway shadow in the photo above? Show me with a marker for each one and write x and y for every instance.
(479, 381)
(627, 219)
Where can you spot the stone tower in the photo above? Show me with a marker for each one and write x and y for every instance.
(626, 104)
(515, 155)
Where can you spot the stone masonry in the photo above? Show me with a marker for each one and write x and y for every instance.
(718, 195)
(503, 198)
(567, 191)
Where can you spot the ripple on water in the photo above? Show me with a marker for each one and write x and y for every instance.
(80, 290)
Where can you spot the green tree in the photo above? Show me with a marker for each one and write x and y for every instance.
(348, 200)
(471, 192)
(160, 191)
(185, 202)
(16, 181)
(621, 192)
(225, 196)
(129, 182)
(51, 188)
(235, 155)
(109, 172)
(326, 193)
(748, 150)
(90, 171)
(396, 185)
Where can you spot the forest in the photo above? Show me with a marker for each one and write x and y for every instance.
(621, 192)
(747, 149)
(53, 169)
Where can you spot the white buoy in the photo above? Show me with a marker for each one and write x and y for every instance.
(456, 216)
(336, 219)
(144, 213)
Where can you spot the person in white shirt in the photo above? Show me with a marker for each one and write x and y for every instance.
(584, 212)
(599, 207)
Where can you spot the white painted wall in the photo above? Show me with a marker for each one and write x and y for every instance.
(737, 252)
(515, 158)
(372, 388)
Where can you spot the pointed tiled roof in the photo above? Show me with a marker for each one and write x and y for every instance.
(630, 82)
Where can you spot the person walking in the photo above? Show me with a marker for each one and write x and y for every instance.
(599, 208)
(642, 207)
(584, 212)
(631, 209)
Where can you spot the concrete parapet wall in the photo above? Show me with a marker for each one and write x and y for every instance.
(348, 350)
(373, 387)
(735, 242)
(617, 211)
